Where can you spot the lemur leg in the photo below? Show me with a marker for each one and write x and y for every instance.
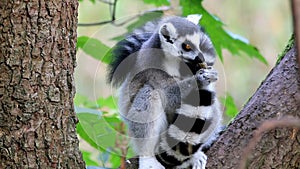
(146, 121)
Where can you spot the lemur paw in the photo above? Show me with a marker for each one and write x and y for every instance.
(199, 161)
(207, 76)
(149, 163)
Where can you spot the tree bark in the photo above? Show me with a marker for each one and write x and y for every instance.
(37, 60)
(279, 147)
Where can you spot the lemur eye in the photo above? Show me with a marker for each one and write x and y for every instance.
(186, 47)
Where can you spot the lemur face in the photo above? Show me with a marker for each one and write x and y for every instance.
(186, 45)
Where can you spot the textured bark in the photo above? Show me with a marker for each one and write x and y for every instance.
(37, 60)
(277, 97)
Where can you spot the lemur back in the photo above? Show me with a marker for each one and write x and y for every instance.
(167, 98)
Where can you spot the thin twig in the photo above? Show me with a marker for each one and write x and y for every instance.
(106, 2)
(159, 9)
(266, 126)
(296, 21)
(113, 16)
(122, 144)
(95, 24)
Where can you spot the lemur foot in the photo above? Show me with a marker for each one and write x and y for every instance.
(149, 163)
(199, 161)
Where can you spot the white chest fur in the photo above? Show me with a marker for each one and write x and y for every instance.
(171, 66)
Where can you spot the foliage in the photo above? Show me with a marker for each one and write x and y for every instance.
(221, 38)
(99, 124)
(103, 130)
(88, 161)
(157, 2)
(92, 46)
(231, 109)
(93, 1)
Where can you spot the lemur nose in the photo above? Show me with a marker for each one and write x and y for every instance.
(200, 58)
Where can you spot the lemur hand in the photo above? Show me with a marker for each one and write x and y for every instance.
(206, 76)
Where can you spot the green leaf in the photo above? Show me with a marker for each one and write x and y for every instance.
(130, 153)
(80, 99)
(191, 7)
(221, 38)
(83, 101)
(110, 102)
(81, 131)
(157, 2)
(87, 159)
(93, 1)
(112, 119)
(96, 131)
(231, 109)
(107, 58)
(94, 48)
(101, 131)
(115, 160)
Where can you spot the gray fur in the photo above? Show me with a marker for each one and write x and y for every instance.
(153, 87)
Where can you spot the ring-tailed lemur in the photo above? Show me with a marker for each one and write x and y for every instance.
(166, 97)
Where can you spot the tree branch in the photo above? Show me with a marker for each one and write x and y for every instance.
(277, 97)
(267, 126)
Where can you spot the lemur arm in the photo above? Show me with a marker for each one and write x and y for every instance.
(201, 79)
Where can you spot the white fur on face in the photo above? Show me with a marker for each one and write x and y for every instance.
(208, 57)
(195, 39)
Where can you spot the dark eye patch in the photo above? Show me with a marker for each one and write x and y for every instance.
(186, 47)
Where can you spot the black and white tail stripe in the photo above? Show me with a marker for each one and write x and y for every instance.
(184, 135)
(121, 52)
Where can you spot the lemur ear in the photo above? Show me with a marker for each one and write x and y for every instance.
(168, 32)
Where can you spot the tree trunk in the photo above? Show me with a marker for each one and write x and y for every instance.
(279, 147)
(37, 60)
